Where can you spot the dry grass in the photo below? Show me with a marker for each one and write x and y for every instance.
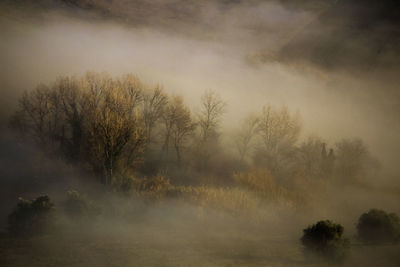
(229, 199)
(253, 190)
(265, 186)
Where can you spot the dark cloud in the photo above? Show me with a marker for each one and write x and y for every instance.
(349, 34)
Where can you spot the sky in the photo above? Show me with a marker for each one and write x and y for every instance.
(335, 62)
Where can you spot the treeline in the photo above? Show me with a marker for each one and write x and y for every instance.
(119, 128)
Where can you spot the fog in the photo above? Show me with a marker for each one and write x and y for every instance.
(334, 103)
(334, 62)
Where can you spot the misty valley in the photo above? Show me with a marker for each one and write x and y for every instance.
(199, 133)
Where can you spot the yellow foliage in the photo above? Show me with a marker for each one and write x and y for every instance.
(264, 185)
(229, 199)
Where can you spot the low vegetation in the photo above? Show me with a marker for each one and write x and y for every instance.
(378, 226)
(31, 216)
(324, 239)
(78, 206)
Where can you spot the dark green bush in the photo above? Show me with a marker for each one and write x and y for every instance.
(324, 239)
(377, 226)
(77, 206)
(31, 216)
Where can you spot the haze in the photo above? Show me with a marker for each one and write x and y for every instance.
(334, 62)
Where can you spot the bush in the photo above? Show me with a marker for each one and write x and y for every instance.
(378, 226)
(324, 239)
(31, 216)
(77, 206)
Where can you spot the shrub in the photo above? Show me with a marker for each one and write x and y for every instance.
(378, 226)
(324, 239)
(77, 206)
(31, 216)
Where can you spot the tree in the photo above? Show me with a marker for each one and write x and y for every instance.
(36, 117)
(278, 128)
(94, 119)
(209, 117)
(353, 162)
(178, 126)
(154, 103)
(313, 159)
(378, 226)
(325, 239)
(182, 128)
(279, 131)
(246, 135)
(114, 126)
(69, 98)
(209, 120)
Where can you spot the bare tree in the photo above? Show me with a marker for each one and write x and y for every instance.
(70, 100)
(312, 157)
(95, 119)
(209, 117)
(38, 116)
(278, 128)
(178, 126)
(183, 126)
(209, 120)
(246, 135)
(114, 125)
(279, 131)
(154, 104)
(168, 118)
(353, 161)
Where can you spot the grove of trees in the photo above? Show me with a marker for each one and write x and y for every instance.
(117, 128)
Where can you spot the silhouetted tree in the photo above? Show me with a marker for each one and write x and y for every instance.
(209, 119)
(178, 126)
(378, 226)
(310, 157)
(279, 131)
(95, 119)
(245, 136)
(353, 162)
(182, 128)
(36, 117)
(154, 103)
(325, 239)
(278, 128)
